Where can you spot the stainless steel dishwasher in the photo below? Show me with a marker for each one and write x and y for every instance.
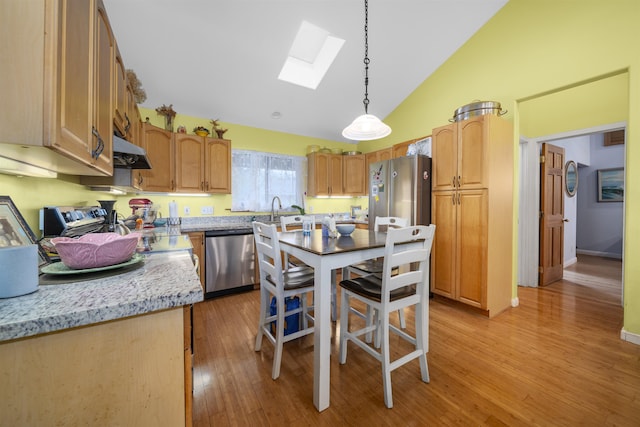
(229, 261)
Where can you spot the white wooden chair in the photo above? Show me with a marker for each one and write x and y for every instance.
(287, 221)
(374, 266)
(390, 293)
(275, 282)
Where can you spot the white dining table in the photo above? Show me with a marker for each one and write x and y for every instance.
(326, 254)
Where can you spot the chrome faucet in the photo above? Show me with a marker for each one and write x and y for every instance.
(279, 207)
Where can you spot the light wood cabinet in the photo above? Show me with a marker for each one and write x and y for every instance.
(125, 372)
(203, 165)
(57, 87)
(158, 144)
(120, 117)
(82, 107)
(197, 241)
(472, 208)
(336, 175)
(400, 149)
(217, 161)
(324, 174)
(354, 171)
(186, 163)
(189, 157)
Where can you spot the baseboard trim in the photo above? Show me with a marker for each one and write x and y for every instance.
(599, 253)
(570, 262)
(630, 337)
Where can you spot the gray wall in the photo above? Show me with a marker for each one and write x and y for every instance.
(599, 225)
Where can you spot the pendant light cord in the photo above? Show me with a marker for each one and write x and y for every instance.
(366, 56)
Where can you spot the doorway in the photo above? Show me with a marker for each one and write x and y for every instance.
(529, 207)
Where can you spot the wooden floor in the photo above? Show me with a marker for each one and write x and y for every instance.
(556, 360)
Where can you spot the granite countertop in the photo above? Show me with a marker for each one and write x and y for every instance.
(163, 280)
(198, 224)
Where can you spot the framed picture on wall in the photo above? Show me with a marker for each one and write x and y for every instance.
(14, 230)
(611, 185)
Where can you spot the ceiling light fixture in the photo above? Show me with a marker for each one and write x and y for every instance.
(367, 126)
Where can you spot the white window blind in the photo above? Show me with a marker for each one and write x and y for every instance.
(258, 177)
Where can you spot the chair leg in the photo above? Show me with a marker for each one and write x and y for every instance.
(334, 293)
(344, 326)
(277, 351)
(303, 301)
(403, 322)
(386, 361)
(264, 298)
(422, 340)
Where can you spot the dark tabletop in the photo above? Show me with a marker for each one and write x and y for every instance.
(316, 243)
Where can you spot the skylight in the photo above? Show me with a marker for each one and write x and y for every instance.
(311, 54)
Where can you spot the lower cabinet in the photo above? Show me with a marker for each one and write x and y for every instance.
(197, 241)
(471, 253)
(126, 372)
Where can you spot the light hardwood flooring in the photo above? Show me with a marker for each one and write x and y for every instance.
(556, 360)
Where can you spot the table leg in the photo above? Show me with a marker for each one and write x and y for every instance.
(322, 336)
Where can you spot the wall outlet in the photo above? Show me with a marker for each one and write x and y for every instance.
(206, 210)
(310, 209)
(187, 211)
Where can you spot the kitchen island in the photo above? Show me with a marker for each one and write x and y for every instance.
(109, 349)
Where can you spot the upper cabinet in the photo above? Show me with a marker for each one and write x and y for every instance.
(353, 175)
(217, 161)
(186, 163)
(335, 175)
(120, 118)
(57, 88)
(159, 145)
(461, 150)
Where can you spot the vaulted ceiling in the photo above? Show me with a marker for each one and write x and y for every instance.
(220, 59)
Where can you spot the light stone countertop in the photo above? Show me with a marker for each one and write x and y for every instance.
(162, 281)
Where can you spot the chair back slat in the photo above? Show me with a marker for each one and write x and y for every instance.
(269, 255)
(389, 222)
(396, 256)
(296, 220)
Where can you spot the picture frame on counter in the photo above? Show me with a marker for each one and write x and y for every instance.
(14, 230)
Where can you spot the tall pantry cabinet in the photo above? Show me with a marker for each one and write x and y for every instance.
(472, 208)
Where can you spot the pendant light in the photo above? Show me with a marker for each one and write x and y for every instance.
(367, 126)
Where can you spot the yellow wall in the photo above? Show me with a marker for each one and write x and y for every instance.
(556, 66)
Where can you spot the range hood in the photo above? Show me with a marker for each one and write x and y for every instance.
(128, 155)
(124, 180)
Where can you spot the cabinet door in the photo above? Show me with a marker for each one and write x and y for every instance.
(159, 146)
(74, 109)
(120, 94)
(472, 247)
(353, 174)
(189, 157)
(400, 149)
(197, 241)
(217, 166)
(472, 161)
(318, 174)
(443, 253)
(103, 107)
(445, 154)
(335, 175)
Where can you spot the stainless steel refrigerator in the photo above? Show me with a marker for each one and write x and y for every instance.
(401, 187)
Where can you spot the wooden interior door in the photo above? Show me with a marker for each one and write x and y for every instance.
(551, 262)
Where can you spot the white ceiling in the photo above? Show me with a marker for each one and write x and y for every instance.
(220, 59)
